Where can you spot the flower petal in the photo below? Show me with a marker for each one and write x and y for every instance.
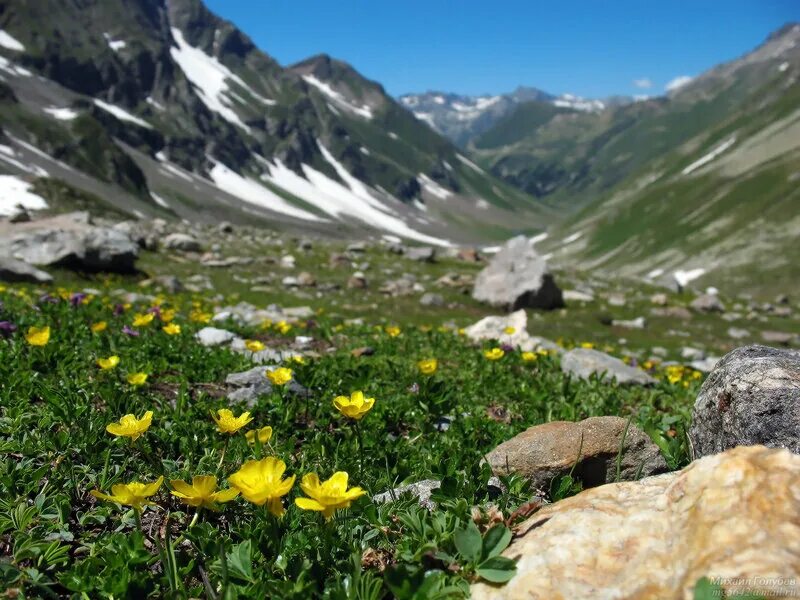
(204, 485)
(308, 504)
(181, 488)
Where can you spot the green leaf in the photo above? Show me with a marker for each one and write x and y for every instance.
(240, 564)
(497, 569)
(495, 541)
(468, 542)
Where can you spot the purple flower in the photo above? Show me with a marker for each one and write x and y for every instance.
(506, 347)
(118, 309)
(129, 331)
(156, 310)
(48, 298)
(7, 328)
(76, 298)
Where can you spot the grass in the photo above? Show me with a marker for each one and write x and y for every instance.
(55, 403)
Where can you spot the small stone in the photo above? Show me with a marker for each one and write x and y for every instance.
(637, 323)
(586, 363)
(421, 490)
(431, 299)
(421, 253)
(738, 333)
(211, 336)
(784, 338)
(577, 296)
(659, 299)
(708, 303)
(181, 242)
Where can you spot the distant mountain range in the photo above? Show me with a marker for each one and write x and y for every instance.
(463, 118)
(160, 107)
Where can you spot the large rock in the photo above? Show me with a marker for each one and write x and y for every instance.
(584, 363)
(551, 450)
(734, 515)
(14, 270)
(751, 397)
(517, 277)
(708, 303)
(421, 253)
(81, 246)
(182, 242)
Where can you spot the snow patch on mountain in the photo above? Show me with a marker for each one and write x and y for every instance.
(10, 42)
(710, 156)
(578, 103)
(115, 45)
(9, 67)
(470, 164)
(15, 191)
(122, 114)
(362, 111)
(430, 186)
(62, 114)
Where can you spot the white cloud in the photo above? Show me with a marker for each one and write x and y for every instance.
(677, 82)
(644, 83)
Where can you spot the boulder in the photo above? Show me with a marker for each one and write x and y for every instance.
(584, 363)
(517, 277)
(182, 242)
(784, 338)
(13, 270)
(751, 397)
(708, 303)
(498, 327)
(734, 515)
(421, 253)
(431, 299)
(544, 452)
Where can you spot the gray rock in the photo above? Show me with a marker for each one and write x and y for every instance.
(544, 452)
(659, 299)
(431, 299)
(290, 281)
(225, 227)
(421, 253)
(738, 333)
(497, 327)
(784, 338)
(182, 242)
(577, 296)
(356, 248)
(253, 383)
(616, 300)
(689, 353)
(637, 323)
(168, 283)
(14, 270)
(584, 363)
(517, 277)
(705, 364)
(752, 397)
(421, 490)
(357, 281)
(211, 336)
(708, 303)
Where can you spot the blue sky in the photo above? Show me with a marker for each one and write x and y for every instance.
(591, 48)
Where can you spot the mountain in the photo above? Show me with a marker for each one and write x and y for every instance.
(159, 107)
(463, 118)
(704, 182)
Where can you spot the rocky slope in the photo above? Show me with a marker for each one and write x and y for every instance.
(160, 107)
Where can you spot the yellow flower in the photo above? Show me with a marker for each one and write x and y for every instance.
(299, 359)
(198, 316)
(137, 379)
(264, 435)
(227, 423)
(260, 482)
(140, 320)
(587, 345)
(393, 331)
(98, 327)
(254, 345)
(510, 330)
(461, 331)
(279, 376)
(266, 323)
(108, 363)
(428, 366)
(327, 496)
(529, 356)
(354, 407)
(167, 315)
(133, 494)
(130, 426)
(171, 329)
(38, 336)
(283, 327)
(494, 354)
(202, 492)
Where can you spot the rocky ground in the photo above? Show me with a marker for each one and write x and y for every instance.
(527, 424)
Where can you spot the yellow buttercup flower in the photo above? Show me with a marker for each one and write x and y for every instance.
(137, 379)
(494, 354)
(202, 492)
(354, 407)
(587, 345)
(510, 330)
(283, 327)
(168, 315)
(428, 366)
(98, 327)
(108, 363)
(279, 376)
(299, 359)
(261, 482)
(254, 345)
(227, 423)
(38, 336)
(133, 494)
(327, 496)
(266, 323)
(393, 331)
(140, 320)
(171, 329)
(529, 356)
(198, 316)
(130, 426)
(264, 435)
